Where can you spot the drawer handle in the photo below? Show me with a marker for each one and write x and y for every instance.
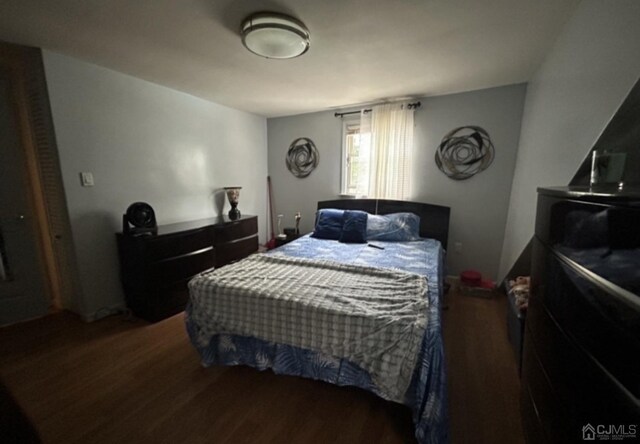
(622, 294)
(191, 253)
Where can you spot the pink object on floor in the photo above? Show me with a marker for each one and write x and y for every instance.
(471, 278)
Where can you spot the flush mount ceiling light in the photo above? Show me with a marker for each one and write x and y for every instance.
(275, 36)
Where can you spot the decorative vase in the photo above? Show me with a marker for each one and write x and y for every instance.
(233, 194)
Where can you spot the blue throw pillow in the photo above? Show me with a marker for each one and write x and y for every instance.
(354, 229)
(329, 224)
(396, 227)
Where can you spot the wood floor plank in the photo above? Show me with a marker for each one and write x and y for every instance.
(122, 381)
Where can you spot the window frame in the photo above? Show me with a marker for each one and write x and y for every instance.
(351, 121)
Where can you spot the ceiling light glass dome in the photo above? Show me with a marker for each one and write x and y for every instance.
(275, 36)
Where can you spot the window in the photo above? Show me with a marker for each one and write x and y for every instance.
(356, 160)
(377, 151)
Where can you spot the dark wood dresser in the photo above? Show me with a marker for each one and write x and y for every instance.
(155, 269)
(581, 356)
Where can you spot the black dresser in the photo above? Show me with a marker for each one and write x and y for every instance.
(581, 357)
(155, 269)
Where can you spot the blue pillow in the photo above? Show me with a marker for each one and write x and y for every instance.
(329, 224)
(396, 227)
(354, 229)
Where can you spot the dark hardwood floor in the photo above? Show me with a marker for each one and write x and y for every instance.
(484, 386)
(118, 381)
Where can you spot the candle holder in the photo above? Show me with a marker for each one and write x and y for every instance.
(298, 217)
(233, 194)
(281, 235)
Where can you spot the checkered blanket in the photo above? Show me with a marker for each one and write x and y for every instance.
(373, 317)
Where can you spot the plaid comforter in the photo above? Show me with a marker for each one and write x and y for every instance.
(373, 317)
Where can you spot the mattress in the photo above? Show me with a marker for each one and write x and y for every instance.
(426, 393)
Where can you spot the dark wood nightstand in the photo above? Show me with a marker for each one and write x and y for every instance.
(155, 269)
(281, 242)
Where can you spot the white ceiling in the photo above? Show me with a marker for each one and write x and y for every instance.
(361, 50)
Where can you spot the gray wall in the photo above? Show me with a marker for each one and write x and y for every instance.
(291, 194)
(144, 142)
(478, 205)
(581, 83)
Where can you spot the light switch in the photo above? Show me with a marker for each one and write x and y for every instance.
(86, 179)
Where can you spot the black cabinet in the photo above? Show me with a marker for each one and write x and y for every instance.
(582, 336)
(156, 269)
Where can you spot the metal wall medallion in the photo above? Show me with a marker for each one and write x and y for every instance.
(302, 157)
(464, 152)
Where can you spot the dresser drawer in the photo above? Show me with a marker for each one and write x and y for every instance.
(234, 251)
(165, 272)
(168, 300)
(178, 244)
(572, 223)
(587, 391)
(602, 322)
(159, 300)
(531, 424)
(547, 414)
(236, 230)
(605, 239)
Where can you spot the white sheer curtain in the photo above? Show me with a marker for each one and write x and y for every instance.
(390, 127)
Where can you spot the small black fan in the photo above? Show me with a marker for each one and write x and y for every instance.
(139, 220)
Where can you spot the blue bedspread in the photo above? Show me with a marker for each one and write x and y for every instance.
(427, 396)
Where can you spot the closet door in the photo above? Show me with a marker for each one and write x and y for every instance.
(23, 292)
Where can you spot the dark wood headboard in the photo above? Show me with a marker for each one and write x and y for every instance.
(434, 219)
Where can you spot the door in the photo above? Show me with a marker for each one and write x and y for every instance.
(23, 289)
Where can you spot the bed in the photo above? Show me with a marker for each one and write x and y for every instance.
(400, 358)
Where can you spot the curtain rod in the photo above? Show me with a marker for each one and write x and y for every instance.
(411, 105)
